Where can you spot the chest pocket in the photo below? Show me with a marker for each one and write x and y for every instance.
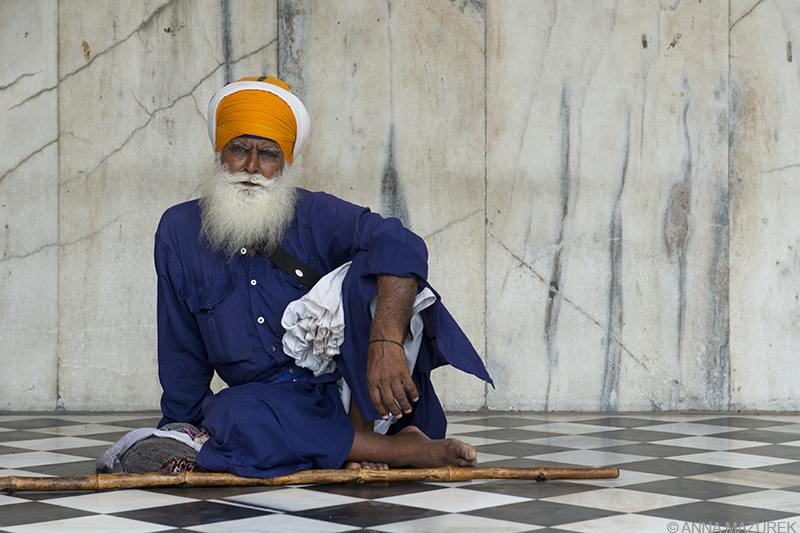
(218, 312)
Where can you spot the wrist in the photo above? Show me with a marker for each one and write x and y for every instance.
(400, 344)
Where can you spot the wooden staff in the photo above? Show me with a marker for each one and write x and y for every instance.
(356, 475)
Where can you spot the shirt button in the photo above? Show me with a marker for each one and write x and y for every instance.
(291, 370)
(253, 282)
(243, 250)
(271, 349)
(261, 320)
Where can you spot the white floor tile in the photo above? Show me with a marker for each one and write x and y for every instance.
(454, 430)
(10, 500)
(710, 443)
(752, 478)
(626, 477)
(89, 523)
(673, 417)
(27, 459)
(118, 501)
(621, 500)
(293, 499)
(488, 457)
(589, 457)
(110, 418)
(455, 523)
(732, 459)
(791, 428)
(6, 472)
(583, 442)
(570, 428)
(776, 500)
(476, 441)
(55, 443)
(453, 500)
(81, 430)
(276, 523)
(691, 429)
(628, 523)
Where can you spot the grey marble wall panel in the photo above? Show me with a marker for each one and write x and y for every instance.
(765, 184)
(133, 120)
(395, 92)
(28, 205)
(568, 164)
(606, 202)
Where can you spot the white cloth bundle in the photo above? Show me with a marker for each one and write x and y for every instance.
(314, 324)
(314, 327)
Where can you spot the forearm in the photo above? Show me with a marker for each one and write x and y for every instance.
(388, 378)
(393, 310)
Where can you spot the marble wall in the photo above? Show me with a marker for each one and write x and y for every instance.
(606, 188)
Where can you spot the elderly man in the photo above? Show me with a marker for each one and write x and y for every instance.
(223, 290)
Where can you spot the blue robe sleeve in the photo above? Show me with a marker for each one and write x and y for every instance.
(337, 231)
(183, 367)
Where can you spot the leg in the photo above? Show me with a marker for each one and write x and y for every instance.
(410, 447)
(359, 424)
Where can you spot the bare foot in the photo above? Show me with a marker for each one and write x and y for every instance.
(352, 465)
(423, 452)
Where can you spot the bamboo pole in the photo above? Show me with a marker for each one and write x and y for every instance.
(99, 482)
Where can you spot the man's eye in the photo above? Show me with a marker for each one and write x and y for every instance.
(269, 153)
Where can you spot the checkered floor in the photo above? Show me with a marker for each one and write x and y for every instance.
(679, 472)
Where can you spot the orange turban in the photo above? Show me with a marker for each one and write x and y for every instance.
(262, 107)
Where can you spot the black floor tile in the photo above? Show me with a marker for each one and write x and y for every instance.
(541, 513)
(511, 434)
(519, 449)
(652, 450)
(758, 435)
(36, 423)
(193, 514)
(367, 514)
(524, 463)
(31, 512)
(42, 495)
(693, 488)
(744, 422)
(637, 435)
(503, 421)
(711, 512)
(786, 468)
(372, 491)
(622, 422)
(774, 450)
(532, 489)
(76, 469)
(211, 493)
(669, 467)
(15, 436)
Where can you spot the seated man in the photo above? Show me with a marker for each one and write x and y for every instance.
(221, 299)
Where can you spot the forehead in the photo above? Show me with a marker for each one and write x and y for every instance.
(249, 142)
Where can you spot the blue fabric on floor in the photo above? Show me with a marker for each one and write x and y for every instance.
(260, 430)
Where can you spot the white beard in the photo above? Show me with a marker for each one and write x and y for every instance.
(235, 215)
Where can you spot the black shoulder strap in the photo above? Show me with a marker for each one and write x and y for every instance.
(294, 267)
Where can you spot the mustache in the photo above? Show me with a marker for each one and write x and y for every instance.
(244, 177)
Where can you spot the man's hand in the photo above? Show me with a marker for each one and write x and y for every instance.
(388, 379)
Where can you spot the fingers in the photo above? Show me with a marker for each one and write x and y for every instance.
(389, 382)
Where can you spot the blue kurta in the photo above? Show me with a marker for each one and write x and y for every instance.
(224, 315)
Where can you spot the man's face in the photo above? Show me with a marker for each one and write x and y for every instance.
(253, 156)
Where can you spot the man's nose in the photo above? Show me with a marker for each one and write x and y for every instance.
(251, 162)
